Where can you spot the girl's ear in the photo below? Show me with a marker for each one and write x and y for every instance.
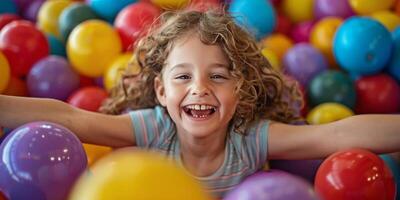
(160, 90)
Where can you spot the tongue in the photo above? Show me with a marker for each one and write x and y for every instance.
(200, 112)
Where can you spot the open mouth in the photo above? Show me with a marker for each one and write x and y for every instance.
(199, 111)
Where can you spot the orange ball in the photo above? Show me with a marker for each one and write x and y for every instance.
(322, 35)
(278, 43)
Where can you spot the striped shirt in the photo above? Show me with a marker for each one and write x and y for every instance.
(244, 155)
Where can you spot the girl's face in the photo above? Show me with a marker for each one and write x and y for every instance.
(197, 88)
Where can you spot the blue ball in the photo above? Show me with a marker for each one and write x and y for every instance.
(57, 47)
(108, 9)
(362, 45)
(394, 65)
(8, 6)
(257, 16)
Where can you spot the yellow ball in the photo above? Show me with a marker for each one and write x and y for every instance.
(92, 46)
(4, 72)
(137, 175)
(272, 58)
(322, 36)
(48, 16)
(364, 7)
(388, 18)
(298, 10)
(120, 65)
(95, 152)
(278, 43)
(328, 112)
(171, 4)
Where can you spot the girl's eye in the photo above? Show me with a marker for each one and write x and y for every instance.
(182, 77)
(217, 76)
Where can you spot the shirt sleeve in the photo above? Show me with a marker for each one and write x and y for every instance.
(257, 143)
(149, 125)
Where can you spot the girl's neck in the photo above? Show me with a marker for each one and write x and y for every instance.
(202, 156)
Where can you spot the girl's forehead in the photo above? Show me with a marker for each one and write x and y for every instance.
(190, 49)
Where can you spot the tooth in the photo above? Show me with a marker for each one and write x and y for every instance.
(203, 107)
(197, 107)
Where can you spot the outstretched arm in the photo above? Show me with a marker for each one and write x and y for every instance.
(90, 127)
(377, 133)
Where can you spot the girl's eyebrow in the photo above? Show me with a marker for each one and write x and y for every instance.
(185, 65)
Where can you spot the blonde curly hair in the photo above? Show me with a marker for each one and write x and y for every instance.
(262, 91)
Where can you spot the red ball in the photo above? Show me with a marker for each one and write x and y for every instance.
(354, 174)
(133, 21)
(377, 94)
(284, 25)
(23, 45)
(7, 18)
(88, 98)
(204, 5)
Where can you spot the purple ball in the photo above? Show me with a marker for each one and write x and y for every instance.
(52, 77)
(40, 160)
(31, 11)
(273, 185)
(306, 169)
(337, 8)
(303, 62)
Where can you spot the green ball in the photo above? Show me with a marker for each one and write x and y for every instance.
(332, 86)
(74, 15)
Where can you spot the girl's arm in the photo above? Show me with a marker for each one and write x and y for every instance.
(90, 127)
(377, 133)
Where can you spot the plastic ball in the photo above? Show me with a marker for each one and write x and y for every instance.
(364, 7)
(322, 35)
(204, 5)
(273, 185)
(272, 58)
(301, 31)
(4, 72)
(133, 21)
(91, 47)
(304, 62)
(298, 10)
(122, 64)
(354, 174)
(171, 4)
(128, 174)
(394, 166)
(278, 43)
(40, 160)
(283, 24)
(57, 47)
(52, 77)
(329, 8)
(31, 11)
(377, 94)
(328, 112)
(7, 6)
(306, 169)
(108, 9)
(388, 18)
(72, 16)
(362, 45)
(21, 39)
(49, 14)
(394, 64)
(88, 98)
(7, 18)
(16, 87)
(95, 152)
(332, 86)
(260, 23)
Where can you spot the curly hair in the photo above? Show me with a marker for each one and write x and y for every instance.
(263, 93)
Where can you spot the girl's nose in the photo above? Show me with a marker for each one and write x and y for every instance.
(200, 89)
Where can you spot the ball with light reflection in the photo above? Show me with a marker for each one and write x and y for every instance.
(40, 160)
